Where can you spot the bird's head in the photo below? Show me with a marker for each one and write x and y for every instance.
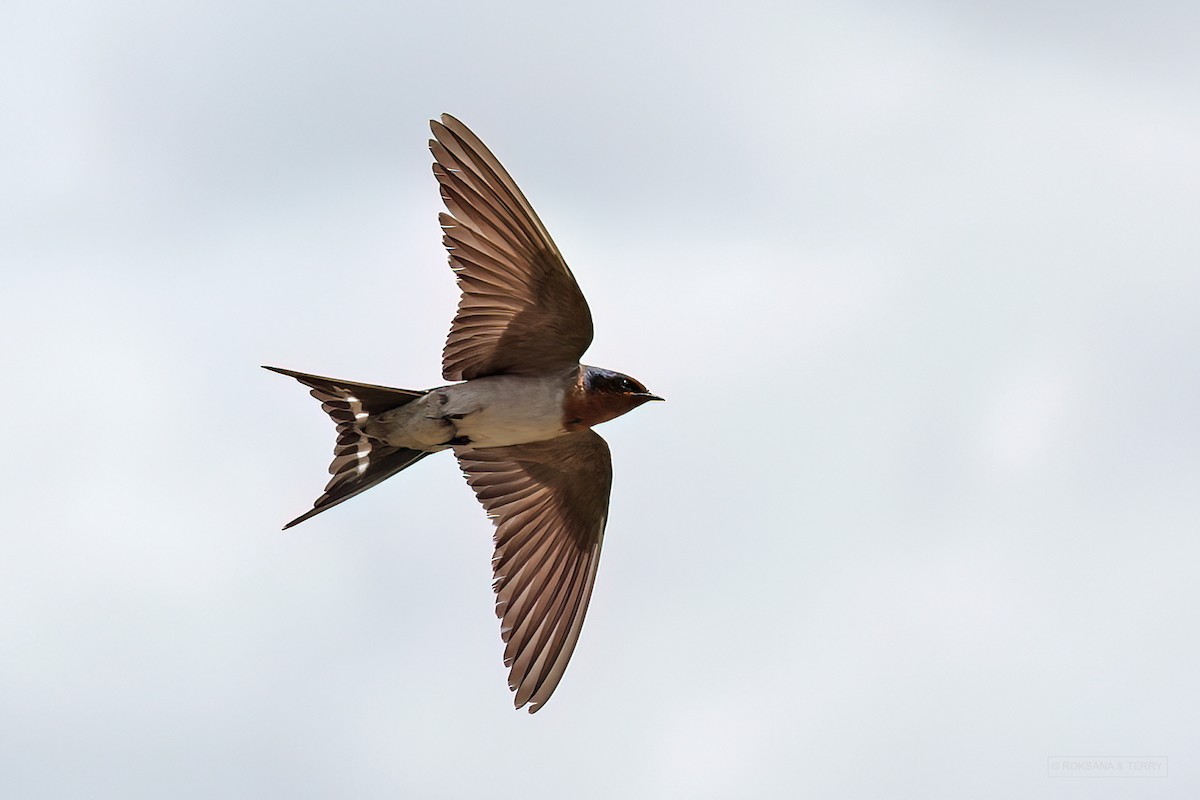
(601, 395)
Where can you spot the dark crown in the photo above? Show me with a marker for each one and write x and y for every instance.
(609, 382)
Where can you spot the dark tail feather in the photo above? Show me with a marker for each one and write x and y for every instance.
(378, 470)
(358, 462)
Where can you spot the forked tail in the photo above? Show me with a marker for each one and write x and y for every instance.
(358, 461)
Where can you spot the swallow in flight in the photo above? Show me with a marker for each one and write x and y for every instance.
(519, 417)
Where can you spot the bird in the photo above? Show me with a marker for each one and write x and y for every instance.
(518, 415)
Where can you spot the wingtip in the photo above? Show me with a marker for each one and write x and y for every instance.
(449, 123)
(527, 705)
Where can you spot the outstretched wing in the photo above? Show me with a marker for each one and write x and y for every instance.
(549, 502)
(521, 311)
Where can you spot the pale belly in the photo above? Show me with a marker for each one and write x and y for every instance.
(504, 410)
(486, 412)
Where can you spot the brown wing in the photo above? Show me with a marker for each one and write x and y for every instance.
(549, 502)
(521, 311)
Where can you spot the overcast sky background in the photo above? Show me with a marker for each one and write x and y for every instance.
(918, 280)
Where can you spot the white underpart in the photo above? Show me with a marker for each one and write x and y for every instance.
(504, 410)
(494, 411)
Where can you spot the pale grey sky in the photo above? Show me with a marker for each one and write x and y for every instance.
(918, 280)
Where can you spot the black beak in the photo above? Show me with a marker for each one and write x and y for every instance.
(647, 396)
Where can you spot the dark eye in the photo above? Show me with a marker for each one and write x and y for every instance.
(627, 385)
